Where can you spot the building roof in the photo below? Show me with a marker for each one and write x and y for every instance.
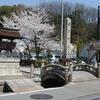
(9, 33)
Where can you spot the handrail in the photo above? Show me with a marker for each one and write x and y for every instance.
(86, 67)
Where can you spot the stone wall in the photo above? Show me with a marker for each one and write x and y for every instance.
(9, 67)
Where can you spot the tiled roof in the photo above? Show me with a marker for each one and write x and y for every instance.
(9, 33)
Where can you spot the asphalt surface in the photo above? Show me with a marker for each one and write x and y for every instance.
(74, 91)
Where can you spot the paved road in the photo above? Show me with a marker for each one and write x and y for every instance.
(74, 91)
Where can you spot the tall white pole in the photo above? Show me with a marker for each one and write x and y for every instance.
(61, 44)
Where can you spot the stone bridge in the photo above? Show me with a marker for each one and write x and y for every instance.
(87, 68)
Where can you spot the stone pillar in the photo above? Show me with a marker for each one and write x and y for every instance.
(71, 72)
(67, 37)
(67, 70)
(32, 70)
(42, 64)
(67, 40)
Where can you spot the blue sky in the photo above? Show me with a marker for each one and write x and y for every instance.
(93, 3)
(25, 2)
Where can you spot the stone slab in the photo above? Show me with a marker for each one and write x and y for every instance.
(22, 85)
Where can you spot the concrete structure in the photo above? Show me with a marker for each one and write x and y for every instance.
(9, 67)
(20, 85)
(9, 62)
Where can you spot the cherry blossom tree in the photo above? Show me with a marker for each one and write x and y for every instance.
(31, 24)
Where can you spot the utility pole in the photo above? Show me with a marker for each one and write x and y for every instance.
(62, 17)
(43, 2)
(98, 32)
